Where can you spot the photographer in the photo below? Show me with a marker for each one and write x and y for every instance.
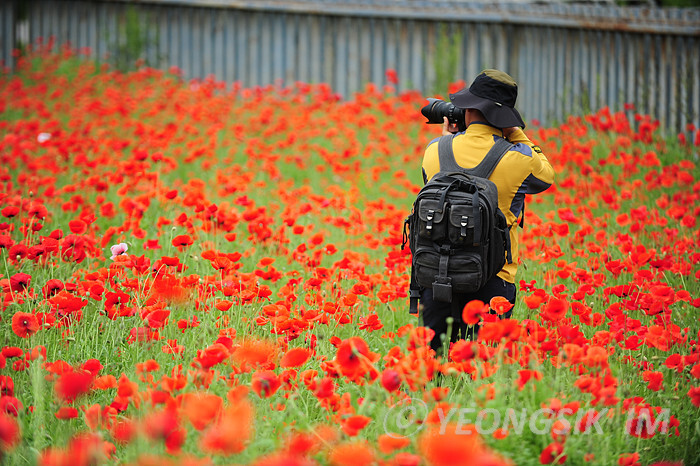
(489, 114)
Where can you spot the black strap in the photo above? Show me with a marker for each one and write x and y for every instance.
(446, 155)
(484, 169)
(491, 159)
(406, 226)
(443, 195)
(443, 265)
(476, 212)
(509, 254)
(414, 295)
(442, 286)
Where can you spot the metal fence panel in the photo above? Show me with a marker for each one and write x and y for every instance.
(7, 14)
(566, 58)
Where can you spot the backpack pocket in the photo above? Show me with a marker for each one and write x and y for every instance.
(461, 227)
(465, 270)
(426, 263)
(431, 224)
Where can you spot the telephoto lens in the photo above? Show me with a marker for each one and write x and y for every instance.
(437, 109)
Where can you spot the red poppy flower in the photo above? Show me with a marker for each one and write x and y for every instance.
(352, 355)
(295, 357)
(354, 424)
(93, 366)
(325, 388)
(182, 241)
(256, 353)
(52, 287)
(77, 226)
(265, 261)
(20, 281)
(553, 452)
(9, 433)
(201, 409)
(390, 443)
(472, 312)
(348, 454)
(6, 242)
(629, 459)
(67, 303)
(654, 379)
(174, 441)
(232, 432)
(12, 352)
(211, 356)
(463, 350)
(67, 412)
(71, 385)
(24, 324)
(10, 211)
(171, 261)
(695, 371)
(555, 309)
(360, 288)
(371, 323)
(158, 425)
(265, 383)
(694, 394)
(123, 431)
(391, 380)
(105, 382)
(642, 424)
(10, 405)
(18, 251)
(38, 211)
(441, 445)
(7, 386)
(500, 304)
(525, 375)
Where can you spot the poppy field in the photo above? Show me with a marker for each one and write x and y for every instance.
(198, 273)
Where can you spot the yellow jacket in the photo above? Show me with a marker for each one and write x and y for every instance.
(523, 170)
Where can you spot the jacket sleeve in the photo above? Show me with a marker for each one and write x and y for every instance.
(541, 171)
(431, 160)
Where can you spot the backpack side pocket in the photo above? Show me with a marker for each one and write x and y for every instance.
(432, 225)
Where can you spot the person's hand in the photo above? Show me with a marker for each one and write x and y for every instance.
(448, 128)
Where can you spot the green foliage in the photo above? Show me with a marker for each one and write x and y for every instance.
(446, 59)
(136, 38)
(679, 3)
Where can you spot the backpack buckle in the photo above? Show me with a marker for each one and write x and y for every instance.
(429, 217)
(464, 223)
(446, 250)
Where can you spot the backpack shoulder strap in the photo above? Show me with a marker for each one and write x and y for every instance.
(447, 156)
(484, 169)
(491, 159)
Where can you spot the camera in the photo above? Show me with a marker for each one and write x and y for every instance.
(437, 109)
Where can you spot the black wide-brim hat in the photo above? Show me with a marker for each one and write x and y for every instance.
(493, 93)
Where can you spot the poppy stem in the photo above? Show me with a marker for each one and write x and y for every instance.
(7, 274)
(448, 337)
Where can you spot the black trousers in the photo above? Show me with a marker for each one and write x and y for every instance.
(435, 313)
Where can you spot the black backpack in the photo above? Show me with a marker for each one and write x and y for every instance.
(459, 238)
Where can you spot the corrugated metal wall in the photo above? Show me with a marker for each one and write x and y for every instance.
(562, 62)
(7, 35)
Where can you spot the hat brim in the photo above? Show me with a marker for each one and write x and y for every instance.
(499, 116)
